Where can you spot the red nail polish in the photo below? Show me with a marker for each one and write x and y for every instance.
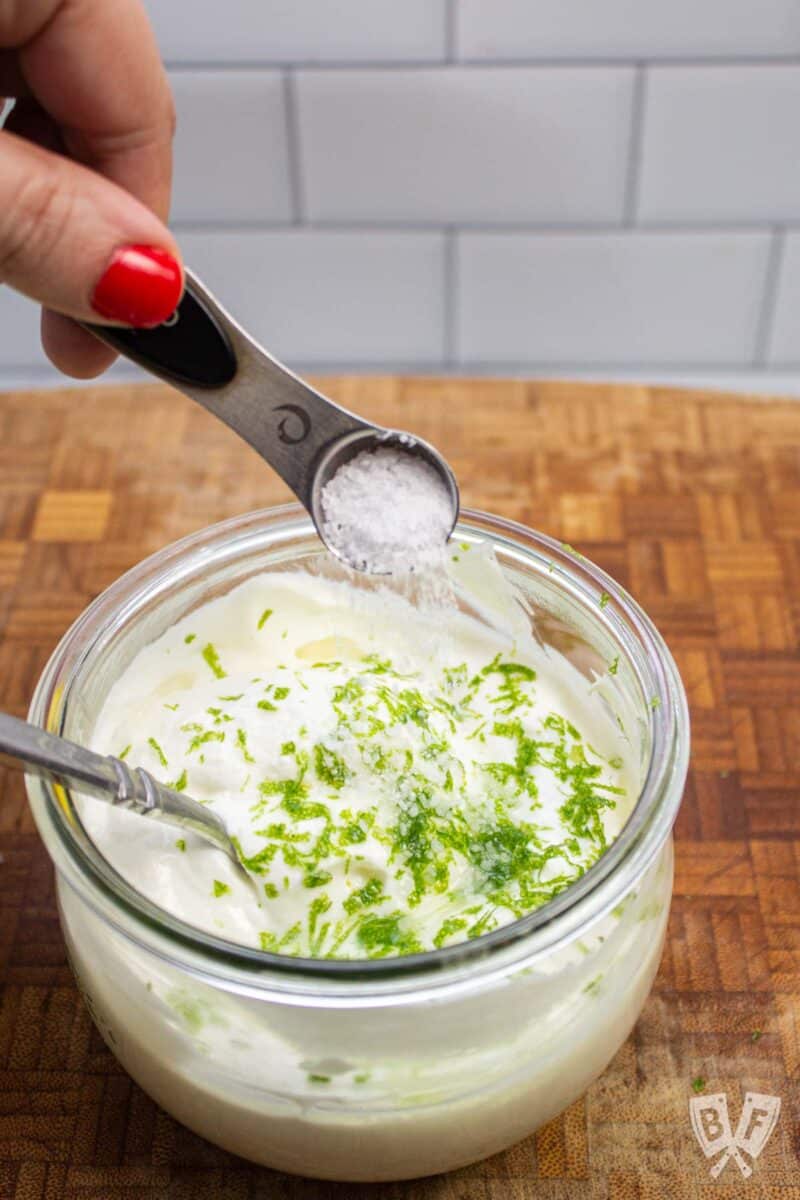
(141, 286)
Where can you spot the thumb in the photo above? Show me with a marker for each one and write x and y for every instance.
(80, 244)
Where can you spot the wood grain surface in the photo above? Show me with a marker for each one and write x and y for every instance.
(693, 503)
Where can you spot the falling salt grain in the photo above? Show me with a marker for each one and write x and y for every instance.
(387, 512)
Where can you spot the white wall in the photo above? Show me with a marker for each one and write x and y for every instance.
(601, 187)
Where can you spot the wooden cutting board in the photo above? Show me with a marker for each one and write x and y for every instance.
(692, 501)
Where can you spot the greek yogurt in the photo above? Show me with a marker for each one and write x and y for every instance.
(396, 780)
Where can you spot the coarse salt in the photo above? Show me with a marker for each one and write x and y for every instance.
(386, 511)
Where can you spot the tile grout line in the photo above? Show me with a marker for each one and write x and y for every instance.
(292, 124)
(450, 31)
(769, 297)
(549, 369)
(600, 228)
(536, 366)
(449, 294)
(567, 61)
(635, 148)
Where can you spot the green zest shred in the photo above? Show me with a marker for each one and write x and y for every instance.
(241, 742)
(159, 753)
(212, 658)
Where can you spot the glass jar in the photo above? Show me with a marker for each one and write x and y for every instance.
(393, 1068)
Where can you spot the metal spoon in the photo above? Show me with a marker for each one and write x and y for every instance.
(304, 436)
(56, 758)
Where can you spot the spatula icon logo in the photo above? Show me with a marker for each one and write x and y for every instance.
(712, 1128)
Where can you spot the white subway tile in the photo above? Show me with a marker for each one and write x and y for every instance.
(26, 379)
(516, 29)
(620, 298)
(231, 160)
(19, 330)
(465, 144)
(784, 344)
(721, 143)
(21, 353)
(298, 30)
(330, 297)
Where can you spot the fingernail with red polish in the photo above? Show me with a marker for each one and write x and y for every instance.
(141, 286)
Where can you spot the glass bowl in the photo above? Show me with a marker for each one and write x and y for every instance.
(391, 1068)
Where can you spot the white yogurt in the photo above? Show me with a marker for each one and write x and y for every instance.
(396, 781)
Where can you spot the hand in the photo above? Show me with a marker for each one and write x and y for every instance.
(85, 171)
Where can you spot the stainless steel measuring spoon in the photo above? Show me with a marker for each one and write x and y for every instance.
(56, 758)
(304, 436)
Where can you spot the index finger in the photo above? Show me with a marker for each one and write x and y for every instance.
(94, 66)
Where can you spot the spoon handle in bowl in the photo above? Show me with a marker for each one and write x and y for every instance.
(43, 753)
(55, 758)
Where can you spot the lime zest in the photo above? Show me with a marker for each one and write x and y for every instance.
(241, 742)
(159, 753)
(212, 659)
